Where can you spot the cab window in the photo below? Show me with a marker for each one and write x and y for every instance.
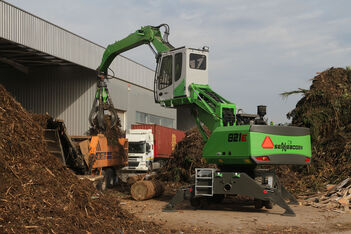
(178, 60)
(165, 75)
(197, 61)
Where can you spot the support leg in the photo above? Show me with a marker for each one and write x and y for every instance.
(278, 199)
(285, 193)
(178, 198)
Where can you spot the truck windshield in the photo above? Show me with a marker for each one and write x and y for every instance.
(137, 147)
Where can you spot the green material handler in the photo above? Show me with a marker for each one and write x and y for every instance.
(237, 142)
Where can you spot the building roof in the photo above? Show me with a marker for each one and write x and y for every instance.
(27, 40)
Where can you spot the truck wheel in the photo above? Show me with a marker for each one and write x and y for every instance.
(195, 202)
(108, 180)
(149, 167)
(204, 202)
(268, 204)
(199, 203)
(113, 178)
(258, 203)
(217, 198)
(98, 185)
(103, 185)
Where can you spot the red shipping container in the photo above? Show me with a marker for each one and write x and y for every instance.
(165, 139)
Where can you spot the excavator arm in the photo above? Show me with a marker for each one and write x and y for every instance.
(103, 102)
(145, 35)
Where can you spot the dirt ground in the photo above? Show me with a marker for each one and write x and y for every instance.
(229, 217)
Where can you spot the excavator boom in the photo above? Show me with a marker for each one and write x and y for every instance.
(103, 102)
(145, 35)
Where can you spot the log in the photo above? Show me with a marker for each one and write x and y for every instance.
(146, 189)
(133, 179)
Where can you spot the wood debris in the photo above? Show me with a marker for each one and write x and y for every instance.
(186, 156)
(337, 198)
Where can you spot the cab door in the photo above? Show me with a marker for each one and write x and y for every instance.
(164, 85)
(179, 74)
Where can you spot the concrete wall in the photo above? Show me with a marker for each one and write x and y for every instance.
(67, 92)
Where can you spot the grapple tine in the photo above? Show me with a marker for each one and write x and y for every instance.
(102, 103)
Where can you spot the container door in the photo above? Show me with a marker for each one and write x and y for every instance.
(165, 79)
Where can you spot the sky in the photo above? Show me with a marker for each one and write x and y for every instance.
(258, 49)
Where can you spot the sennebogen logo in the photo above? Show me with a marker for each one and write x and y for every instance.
(288, 146)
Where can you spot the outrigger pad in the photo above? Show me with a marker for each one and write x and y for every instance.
(169, 208)
(181, 195)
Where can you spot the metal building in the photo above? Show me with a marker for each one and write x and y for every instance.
(49, 69)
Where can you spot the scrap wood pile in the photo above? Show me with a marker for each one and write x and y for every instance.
(326, 109)
(337, 198)
(187, 156)
(38, 194)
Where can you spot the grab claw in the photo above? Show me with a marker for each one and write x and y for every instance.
(102, 103)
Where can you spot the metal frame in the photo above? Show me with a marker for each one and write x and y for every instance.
(201, 181)
(230, 183)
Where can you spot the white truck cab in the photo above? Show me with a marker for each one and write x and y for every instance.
(140, 150)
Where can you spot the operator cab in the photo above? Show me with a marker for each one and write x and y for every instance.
(179, 68)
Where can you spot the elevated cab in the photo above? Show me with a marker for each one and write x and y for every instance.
(177, 70)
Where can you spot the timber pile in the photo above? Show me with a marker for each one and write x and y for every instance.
(38, 194)
(187, 156)
(326, 109)
(146, 189)
(337, 198)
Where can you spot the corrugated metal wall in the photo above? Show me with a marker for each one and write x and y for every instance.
(67, 93)
(64, 92)
(29, 30)
(133, 98)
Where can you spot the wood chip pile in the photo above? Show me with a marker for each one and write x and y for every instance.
(326, 109)
(187, 156)
(38, 194)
